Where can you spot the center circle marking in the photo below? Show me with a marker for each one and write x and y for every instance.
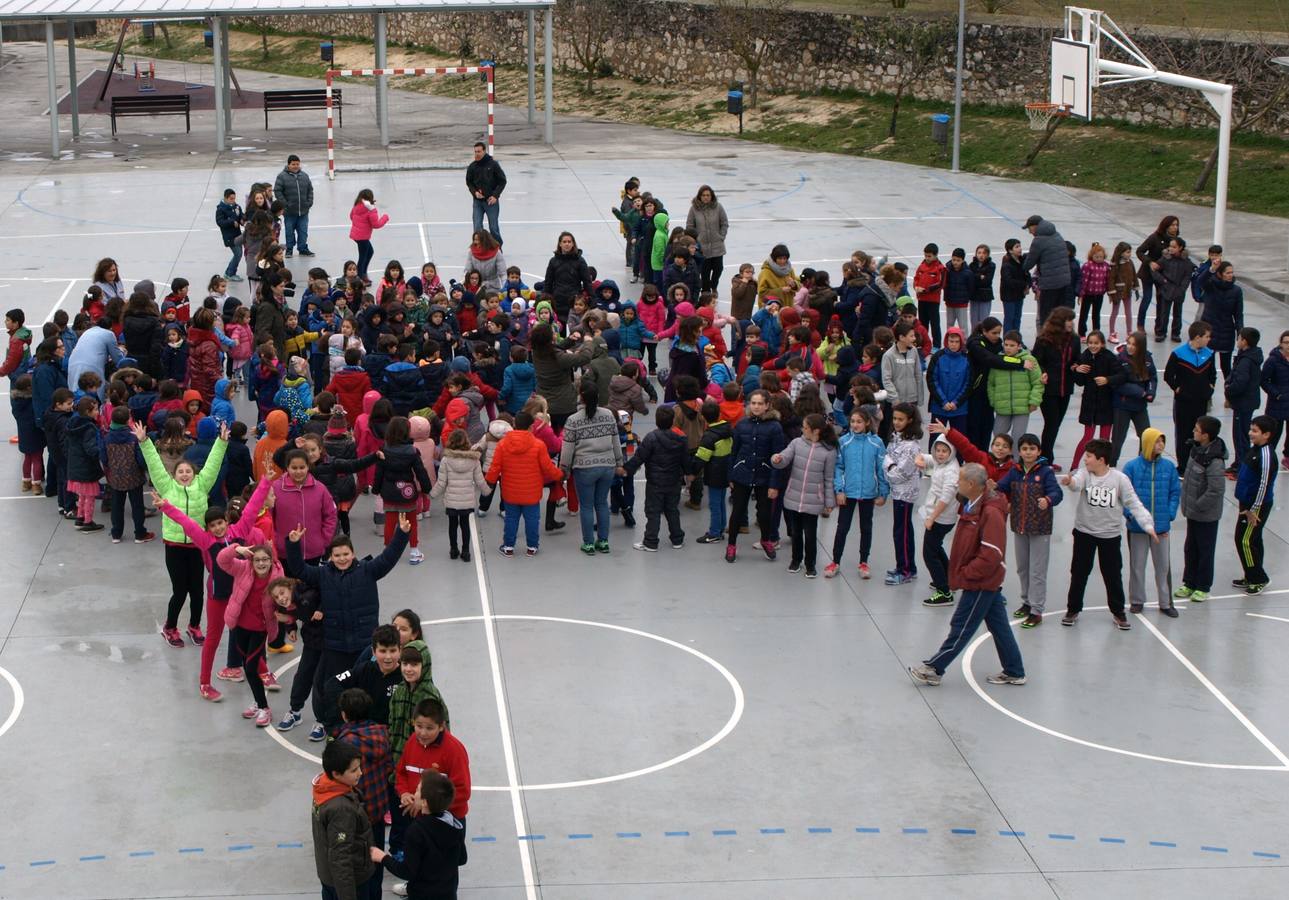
(17, 701)
(735, 715)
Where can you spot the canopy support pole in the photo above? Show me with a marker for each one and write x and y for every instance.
(532, 67)
(52, 72)
(74, 86)
(382, 81)
(548, 27)
(219, 62)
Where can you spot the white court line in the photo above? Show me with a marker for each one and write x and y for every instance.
(1213, 689)
(1261, 616)
(17, 700)
(71, 282)
(503, 717)
(425, 246)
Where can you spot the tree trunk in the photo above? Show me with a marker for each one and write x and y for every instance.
(1047, 136)
(590, 79)
(264, 39)
(1209, 165)
(751, 80)
(895, 110)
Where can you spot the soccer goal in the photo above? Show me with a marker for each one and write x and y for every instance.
(417, 133)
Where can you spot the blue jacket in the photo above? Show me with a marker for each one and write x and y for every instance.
(755, 441)
(1134, 395)
(771, 330)
(1156, 484)
(751, 379)
(405, 388)
(518, 383)
(1255, 484)
(1243, 386)
(959, 286)
(632, 335)
(1275, 384)
(847, 305)
(350, 598)
(374, 364)
(860, 473)
(45, 379)
(83, 449)
(948, 378)
(221, 408)
(614, 303)
(871, 313)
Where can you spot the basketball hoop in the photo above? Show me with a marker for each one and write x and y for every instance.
(1040, 114)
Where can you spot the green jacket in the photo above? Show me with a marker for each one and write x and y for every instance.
(190, 500)
(1013, 391)
(404, 702)
(661, 236)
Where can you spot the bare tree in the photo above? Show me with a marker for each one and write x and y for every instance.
(749, 30)
(1259, 88)
(588, 25)
(916, 47)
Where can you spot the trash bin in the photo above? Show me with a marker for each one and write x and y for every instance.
(209, 38)
(734, 101)
(483, 65)
(328, 51)
(940, 128)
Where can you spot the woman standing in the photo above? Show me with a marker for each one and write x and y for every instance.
(486, 259)
(1224, 311)
(1275, 384)
(143, 334)
(775, 274)
(985, 350)
(107, 278)
(1150, 252)
(554, 367)
(592, 454)
(708, 218)
(566, 277)
(364, 218)
(1055, 350)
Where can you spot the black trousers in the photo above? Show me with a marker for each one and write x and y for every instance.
(1053, 409)
(187, 574)
(709, 276)
(1092, 303)
(803, 530)
(251, 646)
(302, 685)
(1198, 552)
(659, 502)
(1109, 553)
(1248, 544)
(459, 521)
(742, 495)
(929, 316)
(136, 511)
(979, 424)
(844, 515)
(1164, 308)
(937, 561)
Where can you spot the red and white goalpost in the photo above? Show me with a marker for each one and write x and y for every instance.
(488, 73)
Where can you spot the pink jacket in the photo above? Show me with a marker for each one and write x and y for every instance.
(363, 221)
(243, 579)
(544, 433)
(242, 530)
(684, 309)
(652, 315)
(310, 505)
(245, 338)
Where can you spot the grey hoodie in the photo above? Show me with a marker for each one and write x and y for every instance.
(1102, 500)
(902, 376)
(1205, 486)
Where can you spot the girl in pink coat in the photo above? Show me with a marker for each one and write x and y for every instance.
(364, 218)
(250, 615)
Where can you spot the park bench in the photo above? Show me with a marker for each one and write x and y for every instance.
(153, 105)
(310, 98)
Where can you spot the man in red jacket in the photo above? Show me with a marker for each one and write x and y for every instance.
(977, 568)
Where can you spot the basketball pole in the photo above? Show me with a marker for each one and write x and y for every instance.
(957, 87)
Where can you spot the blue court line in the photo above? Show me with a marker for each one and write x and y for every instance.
(1213, 849)
(580, 837)
(629, 834)
(42, 862)
(532, 837)
(139, 853)
(724, 832)
(292, 845)
(1060, 837)
(914, 830)
(1162, 844)
(774, 831)
(999, 213)
(95, 857)
(1265, 855)
(1109, 840)
(962, 831)
(801, 182)
(862, 830)
(819, 830)
(201, 849)
(1011, 834)
(483, 840)
(675, 834)
(239, 847)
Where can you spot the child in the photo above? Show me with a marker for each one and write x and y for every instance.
(83, 466)
(295, 396)
(524, 465)
(417, 685)
(244, 345)
(1122, 284)
(1015, 393)
(342, 833)
(1192, 374)
(1099, 373)
(928, 281)
(757, 437)
(902, 475)
(959, 284)
(1154, 478)
(1032, 490)
(1255, 493)
(435, 843)
(341, 342)
(948, 380)
(713, 454)
(1133, 396)
(54, 424)
(174, 355)
(1203, 495)
(664, 453)
(859, 481)
(1093, 284)
(1172, 276)
(1013, 284)
(266, 378)
(461, 481)
(371, 740)
(812, 458)
(126, 473)
(251, 616)
(982, 288)
(902, 376)
(31, 440)
(939, 515)
(400, 480)
(1104, 492)
(1243, 390)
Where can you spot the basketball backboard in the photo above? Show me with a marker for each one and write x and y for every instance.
(1072, 76)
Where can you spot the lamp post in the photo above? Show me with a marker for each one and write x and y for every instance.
(957, 86)
(1283, 62)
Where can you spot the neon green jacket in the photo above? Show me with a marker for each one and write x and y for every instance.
(1013, 391)
(190, 500)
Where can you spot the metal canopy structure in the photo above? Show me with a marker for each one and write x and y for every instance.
(218, 12)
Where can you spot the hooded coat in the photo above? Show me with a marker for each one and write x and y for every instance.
(143, 336)
(1243, 386)
(221, 406)
(661, 236)
(401, 478)
(1016, 392)
(1275, 384)
(711, 223)
(1155, 480)
(350, 385)
(524, 466)
(1204, 490)
(461, 480)
(342, 837)
(276, 428)
(948, 378)
(1097, 404)
(192, 499)
(811, 466)
(1048, 252)
(199, 453)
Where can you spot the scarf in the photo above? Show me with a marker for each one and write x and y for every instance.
(484, 255)
(888, 292)
(781, 271)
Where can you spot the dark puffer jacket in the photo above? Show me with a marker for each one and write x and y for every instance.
(566, 277)
(350, 597)
(755, 441)
(1097, 405)
(1048, 252)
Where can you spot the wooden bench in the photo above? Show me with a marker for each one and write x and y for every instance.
(153, 105)
(310, 98)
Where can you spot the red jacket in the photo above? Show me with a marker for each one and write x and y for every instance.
(996, 468)
(928, 281)
(446, 755)
(924, 339)
(977, 561)
(203, 364)
(362, 221)
(349, 386)
(524, 467)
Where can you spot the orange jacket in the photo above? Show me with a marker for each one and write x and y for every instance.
(524, 467)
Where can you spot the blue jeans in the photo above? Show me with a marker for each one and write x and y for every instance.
(532, 514)
(295, 232)
(593, 496)
(484, 208)
(716, 505)
(365, 253)
(1147, 291)
(231, 268)
(1011, 315)
(973, 608)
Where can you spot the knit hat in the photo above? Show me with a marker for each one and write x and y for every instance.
(460, 364)
(337, 424)
(773, 299)
(834, 319)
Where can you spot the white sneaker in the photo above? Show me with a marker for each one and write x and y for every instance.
(263, 718)
(416, 557)
(400, 889)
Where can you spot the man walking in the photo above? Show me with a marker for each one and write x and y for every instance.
(294, 188)
(1048, 252)
(976, 567)
(485, 181)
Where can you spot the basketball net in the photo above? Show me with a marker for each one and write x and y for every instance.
(1040, 114)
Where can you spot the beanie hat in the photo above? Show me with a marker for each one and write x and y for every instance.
(460, 364)
(337, 424)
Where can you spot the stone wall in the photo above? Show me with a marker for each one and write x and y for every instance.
(665, 42)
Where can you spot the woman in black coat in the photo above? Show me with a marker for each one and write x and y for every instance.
(1056, 350)
(143, 333)
(1150, 252)
(1098, 372)
(985, 351)
(566, 275)
(1224, 312)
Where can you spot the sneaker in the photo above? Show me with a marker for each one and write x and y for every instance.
(230, 674)
(506, 551)
(628, 518)
(894, 577)
(209, 693)
(831, 570)
(290, 253)
(1239, 583)
(116, 540)
(811, 573)
(588, 549)
(678, 546)
(1004, 678)
(1255, 588)
(1033, 620)
(730, 553)
(1114, 337)
(145, 538)
(1183, 593)
(1122, 623)
(270, 682)
(1170, 611)
(939, 599)
(250, 712)
(865, 572)
(195, 635)
(1136, 607)
(289, 721)
(400, 889)
(234, 277)
(531, 551)
(307, 253)
(767, 547)
(1199, 596)
(794, 568)
(1021, 612)
(416, 557)
(708, 539)
(172, 637)
(465, 556)
(1069, 620)
(555, 525)
(263, 718)
(91, 527)
(924, 674)
(454, 553)
(285, 648)
(317, 733)
(641, 545)
(602, 547)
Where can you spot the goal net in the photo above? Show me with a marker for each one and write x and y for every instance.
(423, 131)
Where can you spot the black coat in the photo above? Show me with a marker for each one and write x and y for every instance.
(401, 477)
(433, 854)
(1055, 361)
(1224, 312)
(144, 337)
(485, 175)
(83, 449)
(566, 277)
(350, 598)
(984, 278)
(665, 457)
(1244, 387)
(1097, 405)
(1013, 282)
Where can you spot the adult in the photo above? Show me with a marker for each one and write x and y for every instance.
(1150, 253)
(775, 273)
(1055, 350)
(143, 333)
(592, 454)
(94, 349)
(107, 278)
(270, 314)
(708, 218)
(1224, 311)
(553, 367)
(977, 568)
(485, 258)
(485, 180)
(1048, 252)
(295, 190)
(985, 350)
(567, 276)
